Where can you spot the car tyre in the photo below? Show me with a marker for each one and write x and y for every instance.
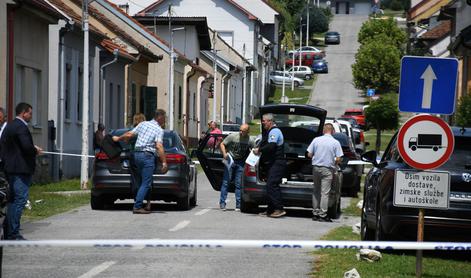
(193, 200)
(307, 77)
(183, 203)
(365, 232)
(97, 202)
(296, 84)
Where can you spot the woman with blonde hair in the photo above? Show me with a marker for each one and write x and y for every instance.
(137, 119)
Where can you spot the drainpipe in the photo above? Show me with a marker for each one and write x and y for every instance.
(66, 28)
(11, 63)
(222, 95)
(187, 108)
(102, 91)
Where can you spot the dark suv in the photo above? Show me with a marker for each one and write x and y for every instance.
(381, 220)
(299, 124)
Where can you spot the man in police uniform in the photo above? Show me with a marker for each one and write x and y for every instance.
(272, 152)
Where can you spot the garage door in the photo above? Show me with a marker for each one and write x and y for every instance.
(362, 8)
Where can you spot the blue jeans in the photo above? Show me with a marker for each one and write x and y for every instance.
(145, 162)
(235, 172)
(19, 188)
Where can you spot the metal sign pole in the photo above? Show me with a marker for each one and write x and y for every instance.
(420, 238)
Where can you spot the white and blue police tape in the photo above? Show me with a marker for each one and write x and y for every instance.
(68, 154)
(221, 243)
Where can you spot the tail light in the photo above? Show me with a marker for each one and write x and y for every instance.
(362, 136)
(101, 156)
(176, 158)
(249, 171)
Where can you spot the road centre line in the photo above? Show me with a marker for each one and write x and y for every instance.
(180, 226)
(97, 270)
(203, 211)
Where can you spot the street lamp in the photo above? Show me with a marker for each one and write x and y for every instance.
(307, 23)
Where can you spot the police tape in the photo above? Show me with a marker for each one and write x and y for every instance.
(68, 154)
(256, 244)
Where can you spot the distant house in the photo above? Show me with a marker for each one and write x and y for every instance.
(24, 66)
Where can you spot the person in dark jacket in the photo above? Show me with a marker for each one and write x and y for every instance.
(272, 157)
(19, 156)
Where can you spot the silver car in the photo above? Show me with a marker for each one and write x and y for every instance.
(112, 178)
(277, 77)
(301, 72)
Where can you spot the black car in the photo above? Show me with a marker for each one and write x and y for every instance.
(112, 179)
(299, 124)
(332, 37)
(351, 173)
(381, 220)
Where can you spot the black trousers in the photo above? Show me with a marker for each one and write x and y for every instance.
(275, 174)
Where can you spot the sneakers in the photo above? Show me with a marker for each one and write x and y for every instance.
(140, 211)
(148, 206)
(277, 213)
(321, 219)
(222, 207)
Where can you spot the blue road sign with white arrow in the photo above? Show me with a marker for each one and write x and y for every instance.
(428, 85)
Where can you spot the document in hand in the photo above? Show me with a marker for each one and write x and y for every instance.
(252, 159)
(228, 161)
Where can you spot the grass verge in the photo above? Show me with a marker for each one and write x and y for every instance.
(370, 136)
(335, 262)
(46, 203)
(299, 95)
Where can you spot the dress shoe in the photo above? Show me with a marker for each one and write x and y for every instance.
(265, 213)
(140, 211)
(148, 206)
(277, 213)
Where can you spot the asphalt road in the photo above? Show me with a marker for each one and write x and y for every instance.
(334, 91)
(205, 221)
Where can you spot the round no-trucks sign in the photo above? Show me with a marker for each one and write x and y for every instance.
(425, 142)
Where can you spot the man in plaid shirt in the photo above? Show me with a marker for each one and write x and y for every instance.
(149, 143)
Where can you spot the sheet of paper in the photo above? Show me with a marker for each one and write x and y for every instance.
(252, 159)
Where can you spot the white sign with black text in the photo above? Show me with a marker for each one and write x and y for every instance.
(421, 189)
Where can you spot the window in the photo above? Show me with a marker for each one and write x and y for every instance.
(119, 114)
(80, 94)
(68, 84)
(28, 89)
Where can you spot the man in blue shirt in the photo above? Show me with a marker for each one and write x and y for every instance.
(149, 143)
(272, 152)
(326, 153)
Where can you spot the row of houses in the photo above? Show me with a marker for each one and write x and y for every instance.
(222, 56)
(442, 28)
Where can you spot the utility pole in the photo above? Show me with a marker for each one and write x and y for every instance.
(300, 40)
(171, 71)
(86, 57)
(215, 75)
(307, 24)
(244, 87)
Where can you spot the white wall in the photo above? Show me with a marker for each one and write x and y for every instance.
(185, 41)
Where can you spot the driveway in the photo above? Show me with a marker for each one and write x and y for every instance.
(334, 91)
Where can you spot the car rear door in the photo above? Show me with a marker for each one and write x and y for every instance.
(210, 158)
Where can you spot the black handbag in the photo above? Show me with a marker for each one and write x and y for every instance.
(111, 148)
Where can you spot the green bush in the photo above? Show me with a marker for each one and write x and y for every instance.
(318, 21)
(371, 29)
(383, 114)
(463, 111)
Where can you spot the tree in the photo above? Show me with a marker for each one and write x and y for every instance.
(463, 111)
(318, 21)
(371, 29)
(377, 66)
(383, 114)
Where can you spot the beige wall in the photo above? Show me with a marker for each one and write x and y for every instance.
(135, 74)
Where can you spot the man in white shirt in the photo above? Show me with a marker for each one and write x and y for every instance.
(326, 153)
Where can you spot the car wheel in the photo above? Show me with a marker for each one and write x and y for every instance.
(307, 77)
(296, 84)
(97, 202)
(183, 203)
(193, 200)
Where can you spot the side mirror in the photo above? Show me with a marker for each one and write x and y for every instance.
(370, 156)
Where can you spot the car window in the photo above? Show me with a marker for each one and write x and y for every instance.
(230, 128)
(461, 155)
(308, 56)
(389, 150)
(212, 144)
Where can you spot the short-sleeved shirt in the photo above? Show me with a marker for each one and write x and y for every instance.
(238, 146)
(325, 149)
(148, 133)
(275, 136)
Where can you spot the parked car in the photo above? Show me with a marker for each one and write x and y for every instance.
(228, 128)
(334, 123)
(356, 114)
(307, 59)
(381, 220)
(299, 124)
(276, 77)
(304, 72)
(111, 178)
(320, 66)
(351, 173)
(352, 121)
(307, 49)
(332, 37)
